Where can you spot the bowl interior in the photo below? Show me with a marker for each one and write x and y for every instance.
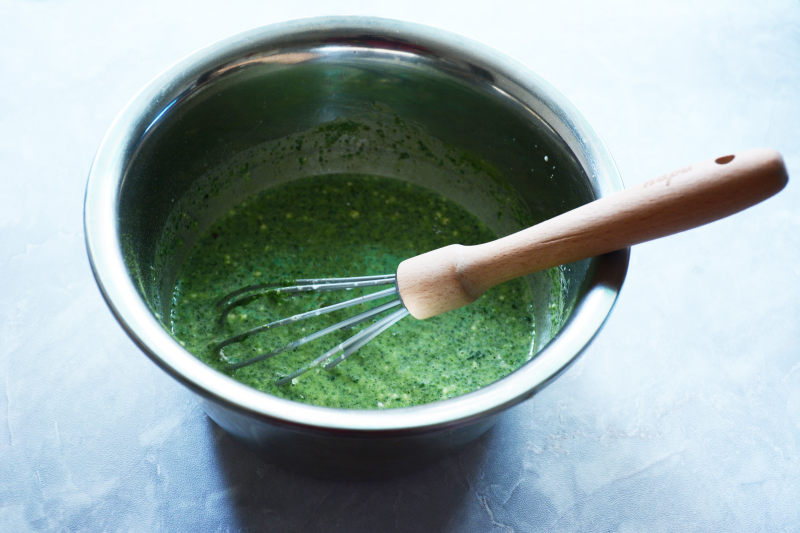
(351, 107)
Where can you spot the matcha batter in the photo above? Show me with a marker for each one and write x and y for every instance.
(347, 225)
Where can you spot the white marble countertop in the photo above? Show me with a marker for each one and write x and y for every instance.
(684, 415)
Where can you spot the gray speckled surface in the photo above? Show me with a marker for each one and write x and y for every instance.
(683, 415)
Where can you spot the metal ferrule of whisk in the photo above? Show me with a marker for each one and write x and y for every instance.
(338, 353)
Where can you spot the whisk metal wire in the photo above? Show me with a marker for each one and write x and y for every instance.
(338, 353)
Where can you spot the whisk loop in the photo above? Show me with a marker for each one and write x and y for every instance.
(335, 355)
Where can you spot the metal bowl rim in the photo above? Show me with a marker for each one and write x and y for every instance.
(108, 265)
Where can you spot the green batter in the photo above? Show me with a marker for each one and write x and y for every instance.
(347, 225)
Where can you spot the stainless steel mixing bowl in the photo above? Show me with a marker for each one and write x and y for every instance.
(407, 84)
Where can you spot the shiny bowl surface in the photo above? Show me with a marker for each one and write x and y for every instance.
(271, 83)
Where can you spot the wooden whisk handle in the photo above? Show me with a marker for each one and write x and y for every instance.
(453, 276)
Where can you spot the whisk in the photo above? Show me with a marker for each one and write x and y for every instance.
(453, 276)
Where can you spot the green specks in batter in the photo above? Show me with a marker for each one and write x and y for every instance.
(347, 225)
